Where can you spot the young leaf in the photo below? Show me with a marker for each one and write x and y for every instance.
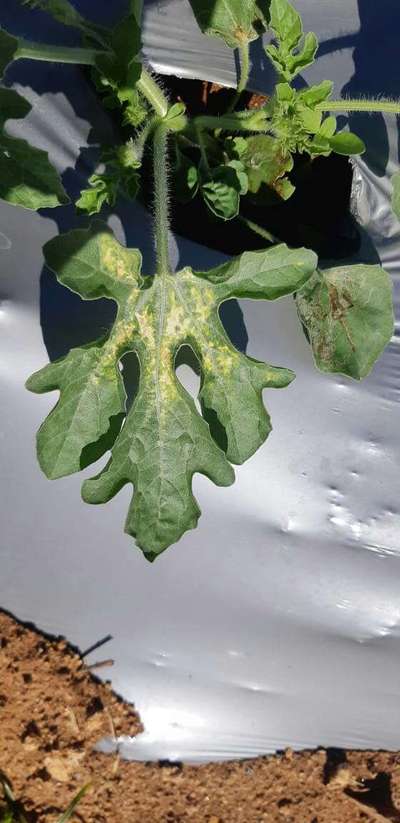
(235, 21)
(8, 48)
(396, 194)
(27, 177)
(286, 23)
(313, 95)
(290, 56)
(164, 439)
(102, 191)
(120, 70)
(348, 314)
(346, 143)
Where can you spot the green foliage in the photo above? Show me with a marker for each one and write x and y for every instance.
(293, 51)
(396, 194)
(119, 69)
(296, 119)
(27, 177)
(223, 190)
(164, 439)
(119, 177)
(348, 314)
(235, 21)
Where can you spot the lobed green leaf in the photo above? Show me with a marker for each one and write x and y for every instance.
(164, 439)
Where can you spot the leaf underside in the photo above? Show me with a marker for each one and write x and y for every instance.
(162, 440)
(348, 314)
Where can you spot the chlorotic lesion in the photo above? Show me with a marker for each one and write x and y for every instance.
(121, 263)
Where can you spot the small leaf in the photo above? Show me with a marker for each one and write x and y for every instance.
(102, 191)
(328, 127)
(347, 143)
(175, 118)
(8, 48)
(27, 177)
(348, 314)
(286, 23)
(309, 118)
(396, 194)
(235, 21)
(120, 70)
(316, 94)
(297, 62)
(285, 93)
(164, 440)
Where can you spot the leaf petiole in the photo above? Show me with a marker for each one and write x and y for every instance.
(56, 54)
(161, 199)
(152, 92)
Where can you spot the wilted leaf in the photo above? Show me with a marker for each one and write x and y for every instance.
(27, 177)
(235, 21)
(265, 162)
(164, 439)
(348, 314)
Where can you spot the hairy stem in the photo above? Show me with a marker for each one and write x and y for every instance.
(244, 71)
(152, 92)
(161, 204)
(56, 54)
(382, 106)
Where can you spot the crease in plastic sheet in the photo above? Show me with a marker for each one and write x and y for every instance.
(277, 622)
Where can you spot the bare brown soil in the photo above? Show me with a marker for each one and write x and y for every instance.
(53, 710)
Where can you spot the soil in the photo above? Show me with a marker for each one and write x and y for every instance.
(53, 710)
